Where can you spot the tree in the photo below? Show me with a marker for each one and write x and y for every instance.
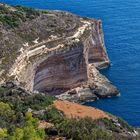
(3, 133)
(18, 134)
(30, 131)
(6, 112)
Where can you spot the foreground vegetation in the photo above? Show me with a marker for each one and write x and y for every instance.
(16, 120)
(21, 113)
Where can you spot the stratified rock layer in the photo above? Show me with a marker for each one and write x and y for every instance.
(61, 72)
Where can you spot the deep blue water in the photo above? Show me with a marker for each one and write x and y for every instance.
(121, 23)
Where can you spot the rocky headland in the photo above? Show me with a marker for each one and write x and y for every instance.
(46, 58)
(56, 53)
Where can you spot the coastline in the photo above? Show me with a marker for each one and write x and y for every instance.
(65, 64)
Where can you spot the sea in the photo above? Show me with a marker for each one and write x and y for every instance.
(121, 25)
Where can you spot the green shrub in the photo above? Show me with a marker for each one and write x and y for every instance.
(30, 131)
(100, 134)
(14, 118)
(21, 14)
(125, 124)
(6, 113)
(82, 129)
(3, 134)
(15, 102)
(12, 21)
(109, 124)
(77, 129)
(38, 101)
(54, 116)
(28, 11)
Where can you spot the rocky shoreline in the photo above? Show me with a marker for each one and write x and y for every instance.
(100, 87)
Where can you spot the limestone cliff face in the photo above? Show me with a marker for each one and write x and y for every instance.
(62, 72)
(97, 53)
(61, 57)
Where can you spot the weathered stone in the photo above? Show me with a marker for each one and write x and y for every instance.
(80, 95)
(100, 85)
(86, 94)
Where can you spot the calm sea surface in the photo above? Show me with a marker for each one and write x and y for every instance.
(121, 23)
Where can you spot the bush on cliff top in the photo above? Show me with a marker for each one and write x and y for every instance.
(17, 15)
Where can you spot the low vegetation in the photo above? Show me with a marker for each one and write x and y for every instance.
(16, 106)
(77, 129)
(15, 15)
(21, 113)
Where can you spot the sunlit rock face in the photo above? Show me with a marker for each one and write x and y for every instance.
(97, 51)
(62, 72)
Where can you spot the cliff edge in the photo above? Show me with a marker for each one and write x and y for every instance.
(54, 52)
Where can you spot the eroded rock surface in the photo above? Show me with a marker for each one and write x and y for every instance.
(61, 72)
(57, 53)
